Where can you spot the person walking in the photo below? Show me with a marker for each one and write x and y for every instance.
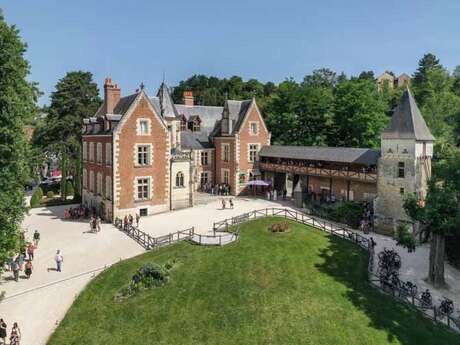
(21, 260)
(230, 201)
(59, 260)
(15, 336)
(130, 219)
(223, 204)
(3, 332)
(98, 224)
(30, 251)
(28, 269)
(36, 238)
(138, 218)
(125, 222)
(15, 269)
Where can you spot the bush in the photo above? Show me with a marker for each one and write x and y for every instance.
(349, 213)
(36, 198)
(279, 227)
(405, 238)
(50, 194)
(150, 275)
(69, 191)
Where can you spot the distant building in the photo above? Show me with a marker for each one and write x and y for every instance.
(387, 79)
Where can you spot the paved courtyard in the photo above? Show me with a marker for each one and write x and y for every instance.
(40, 303)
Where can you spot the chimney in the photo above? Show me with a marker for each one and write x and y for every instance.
(188, 98)
(111, 95)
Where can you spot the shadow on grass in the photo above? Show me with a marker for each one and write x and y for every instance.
(402, 323)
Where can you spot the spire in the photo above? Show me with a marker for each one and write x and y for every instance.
(167, 107)
(407, 122)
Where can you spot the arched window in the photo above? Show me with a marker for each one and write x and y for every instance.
(179, 179)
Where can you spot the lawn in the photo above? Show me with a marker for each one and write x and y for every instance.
(300, 287)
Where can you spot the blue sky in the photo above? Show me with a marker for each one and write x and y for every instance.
(136, 40)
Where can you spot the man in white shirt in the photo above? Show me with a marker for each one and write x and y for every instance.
(59, 260)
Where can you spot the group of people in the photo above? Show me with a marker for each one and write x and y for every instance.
(15, 335)
(23, 260)
(219, 189)
(224, 203)
(274, 194)
(76, 212)
(367, 223)
(129, 220)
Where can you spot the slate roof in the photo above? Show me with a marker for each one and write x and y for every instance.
(347, 155)
(166, 104)
(209, 115)
(194, 140)
(236, 112)
(407, 122)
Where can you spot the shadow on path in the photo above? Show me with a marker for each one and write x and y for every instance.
(401, 323)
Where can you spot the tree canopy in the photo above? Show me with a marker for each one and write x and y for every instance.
(17, 106)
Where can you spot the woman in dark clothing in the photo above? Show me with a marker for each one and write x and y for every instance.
(3, 331)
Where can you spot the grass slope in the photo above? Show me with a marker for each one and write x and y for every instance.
(302, 287)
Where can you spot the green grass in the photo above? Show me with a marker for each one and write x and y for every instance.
(301, 287)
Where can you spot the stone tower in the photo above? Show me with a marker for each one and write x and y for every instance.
(405, 163)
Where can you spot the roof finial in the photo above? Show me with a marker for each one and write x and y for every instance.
(164, 76)
(141, 86)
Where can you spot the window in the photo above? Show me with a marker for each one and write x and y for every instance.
(91, 181)
(143, 212)
(401, 169)
(204, 178)
(143, 188)
(226, 176)
(85, 151)
(143, 155)
(85, 178)
(242, 178)
(108, 154)
(143, 126)
(401, 191)
(253, 148)
(253, 128)
(204, 158)
(99, 152)
(180, 179)
(99, 184)
(108, 187)
(225, 152)
(183, 125)
(91, 152)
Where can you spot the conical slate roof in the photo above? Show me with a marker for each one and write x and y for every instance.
(407, 122)
(167, 108)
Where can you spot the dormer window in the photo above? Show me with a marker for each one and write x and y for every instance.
(183, 123)
(194, 123)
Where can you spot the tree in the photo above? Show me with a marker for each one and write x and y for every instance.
(440, 215)
(359, 114)
(323, 77)
(76, 97)
(367, 75)
(17, 105)
(428, 62)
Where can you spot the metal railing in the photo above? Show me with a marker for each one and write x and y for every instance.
(149, 242)
(400, 290)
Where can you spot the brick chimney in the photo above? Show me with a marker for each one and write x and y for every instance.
(188, 98)
(112, 95)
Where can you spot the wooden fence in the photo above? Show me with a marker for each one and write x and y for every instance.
(398, 289)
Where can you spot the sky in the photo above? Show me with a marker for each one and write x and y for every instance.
(136, 41)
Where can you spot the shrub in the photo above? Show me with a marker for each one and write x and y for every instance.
(69, 191)
(405, 238)
(50, 194)
(150, 275)
(349, 213)
(279, 227)
(36, 197)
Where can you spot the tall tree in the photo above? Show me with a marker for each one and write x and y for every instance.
(439, 213)
(17, 104)
(76, 97)
(427, 63)
(359, 114)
